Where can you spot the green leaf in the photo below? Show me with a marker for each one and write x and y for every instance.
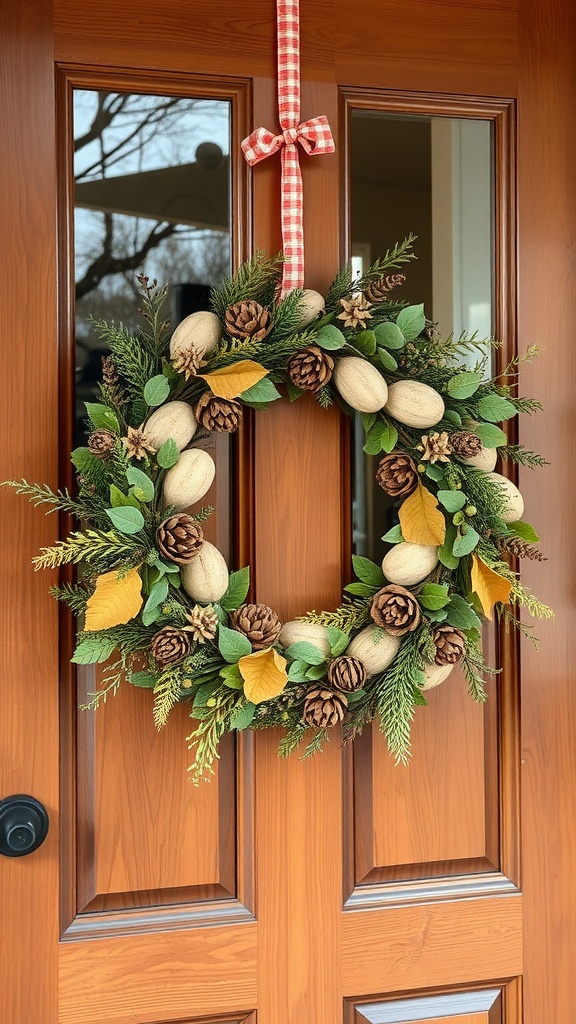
(126, 519)
(388, 436)
(168, 370)
(453, 417)
(491, 436)
(367, 571)
(142, 484)
(158, 595)
(294, 393)
(360, 589)
(263, 391)
(232, 677)
(435, 589)
(102, 417)
(303, 651)
(297, 671)
(411, 321)
(434, 472)
(368, 420)
(144, 679)
(330, 338)
(445, 555)
(238, 587)
(338, 640)
(316, 672)
(394, 535)
(465, 543)
(524, 530)
(461, 615)
(440, 615)
(93, 650)
(120, 500)
(463, 385)
(365, 342)
(168, 455)
(389, 335)
(242, 716)
(156, 390)
(434, 596)
(388, 361)
(452, 501)
(373, 445)
(495, 408)
(233, 645)
(203, 694)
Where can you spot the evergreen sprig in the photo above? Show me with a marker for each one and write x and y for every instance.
(94, 546)
(254, 280)
(397, 691)
(522, 456)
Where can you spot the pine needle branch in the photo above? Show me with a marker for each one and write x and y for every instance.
(253, 279)
(88, 546)
(517, 453)
(166, 695)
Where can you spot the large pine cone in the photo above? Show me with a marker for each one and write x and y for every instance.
(258, 622)
(248, 320)
(324, 708)
(218, 414)
(395, 609)
(347, 674)
(464, 444)
(450, 645)
(310, 368)
(397, 474)
(378, 290)
(101, 443)
(169, 646)
(179, 538)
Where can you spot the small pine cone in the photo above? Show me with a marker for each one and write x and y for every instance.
(378, 290)
(101, 443)
(310, 368)
(324, 708)
(347, 674)
(450, 645)
(219, 414)
(464, 444)
(109, 374)
(395, 609)
(169, 646)
(179, 538)
(397, 474)
(258, 622)
(248, 320)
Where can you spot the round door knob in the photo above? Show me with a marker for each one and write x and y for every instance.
(23, 825)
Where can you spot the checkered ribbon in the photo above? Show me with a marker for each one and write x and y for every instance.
(314, 136)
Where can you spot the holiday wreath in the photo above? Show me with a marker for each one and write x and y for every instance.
(151, 589)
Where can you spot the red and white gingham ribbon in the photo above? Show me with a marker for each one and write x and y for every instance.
(314, 136)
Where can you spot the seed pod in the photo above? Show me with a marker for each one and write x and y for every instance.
(375, 648)
(415, 404)
(175, 420)
(309, 632)
(407, 564)
(200, 332)
(206, 578)
(189, 480)
(361, 385)
(435, 674)
(312, 305)
(514, 500)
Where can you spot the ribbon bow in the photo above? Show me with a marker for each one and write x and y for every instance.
(314, 136)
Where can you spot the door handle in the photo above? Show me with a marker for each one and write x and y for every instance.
(23, 825)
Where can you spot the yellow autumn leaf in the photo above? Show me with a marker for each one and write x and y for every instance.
(264, 674)
(232, 380)
(114, 601)
(421, 520)
(490, 586)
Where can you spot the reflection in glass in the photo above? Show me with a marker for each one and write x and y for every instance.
(431, 176)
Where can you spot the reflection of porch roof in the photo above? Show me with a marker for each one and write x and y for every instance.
(186, 194)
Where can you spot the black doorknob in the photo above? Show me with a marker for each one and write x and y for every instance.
(23, 825)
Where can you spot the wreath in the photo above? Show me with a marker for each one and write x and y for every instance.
(157, 601)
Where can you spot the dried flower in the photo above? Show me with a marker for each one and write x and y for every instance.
(137, 443)
(436, 447)
(203, 623)
(356, 311)
(188, 362)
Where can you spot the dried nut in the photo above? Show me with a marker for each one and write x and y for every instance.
(361, 385)
(205, 578)
(175, 420)
(200, 332)
(415, 404)
(486, 459)
(189, 480)
(435, 674)
(375, 648)
(514, 500)
(407, 564)
(294, 632)
(312, 304)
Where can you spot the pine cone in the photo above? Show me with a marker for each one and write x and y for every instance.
(179, 538)
(395, 609)
(310, 368)
(258, 622)
(169, 646)
(378, 290)
(450, 645)
(101, 443)
(464, 444)
(347, 674)
(219, 414)
(397, 474)
(109, 374)
(248, 320)
(324, 708)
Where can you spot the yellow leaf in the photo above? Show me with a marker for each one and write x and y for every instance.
(421, 520)
(233, 380)
(490, 586)
(264, 674)
(114, 601)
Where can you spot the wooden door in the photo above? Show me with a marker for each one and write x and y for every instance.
(288, 892)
